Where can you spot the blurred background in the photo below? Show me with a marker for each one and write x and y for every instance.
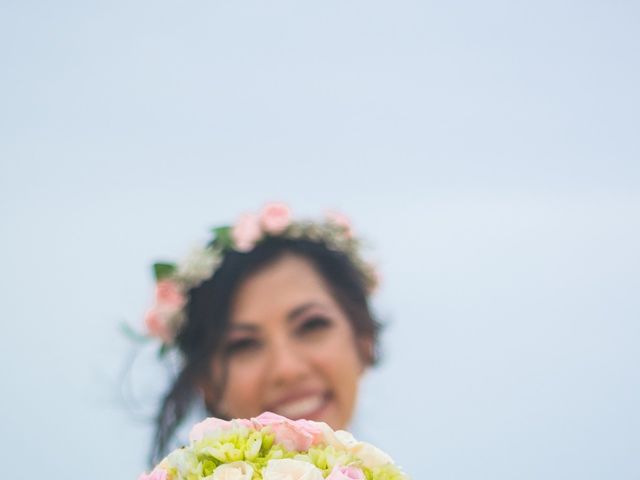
(489, 152)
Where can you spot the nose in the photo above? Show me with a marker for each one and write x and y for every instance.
(287, 364)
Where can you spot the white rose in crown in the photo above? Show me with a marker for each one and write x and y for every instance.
(272, 447)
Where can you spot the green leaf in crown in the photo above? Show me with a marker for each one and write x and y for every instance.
(133, 334)
(163, 270)
(223, 239)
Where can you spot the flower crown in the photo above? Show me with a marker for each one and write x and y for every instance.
(167, 316)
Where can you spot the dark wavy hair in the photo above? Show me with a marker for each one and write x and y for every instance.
(208, 308)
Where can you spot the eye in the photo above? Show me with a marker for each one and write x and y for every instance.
(244, 345)
(314, 324)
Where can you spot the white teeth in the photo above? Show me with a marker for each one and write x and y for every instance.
(299, 408)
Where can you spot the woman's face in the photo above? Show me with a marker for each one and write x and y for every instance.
(290, 349)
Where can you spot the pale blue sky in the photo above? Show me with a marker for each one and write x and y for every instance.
(489, 151)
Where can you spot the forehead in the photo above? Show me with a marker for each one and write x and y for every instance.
(278, 288)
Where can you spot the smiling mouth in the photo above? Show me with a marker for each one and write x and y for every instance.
(307, 407)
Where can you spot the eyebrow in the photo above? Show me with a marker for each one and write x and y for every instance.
(292, 315)
(301, 309)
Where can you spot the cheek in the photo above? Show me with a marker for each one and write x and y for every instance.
(342, 370)
(339, 360)
(242, 391)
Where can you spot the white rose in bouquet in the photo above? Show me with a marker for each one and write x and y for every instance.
(371, 456)
(233, 471)
(287, 469)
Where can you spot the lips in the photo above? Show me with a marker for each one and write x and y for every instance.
(307, 405)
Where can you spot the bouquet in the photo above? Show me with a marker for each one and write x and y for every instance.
(272, 447)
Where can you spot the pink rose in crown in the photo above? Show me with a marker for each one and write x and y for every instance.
(156, 321)
(341, 220)
(168, 294)
(246, 232)
(275, 218)
(169, 301)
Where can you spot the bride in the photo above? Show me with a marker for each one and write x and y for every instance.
(271, 315)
